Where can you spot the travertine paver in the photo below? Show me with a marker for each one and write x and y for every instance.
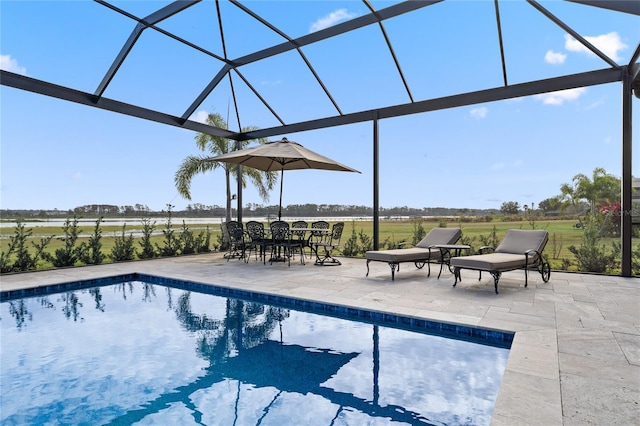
(575, 359)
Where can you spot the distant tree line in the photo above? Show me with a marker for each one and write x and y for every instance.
(251, 209)
(598, 193)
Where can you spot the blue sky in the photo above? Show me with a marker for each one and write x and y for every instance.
(56, 154)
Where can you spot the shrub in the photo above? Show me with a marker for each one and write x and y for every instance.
(191, 243)
(354, 248)
(92, 252)
(635, 261)
(418, 231)
(610, 219)
(171, 245)
(469, 241)
(147, 252)
(556, 246)
(187, 240)
(204, 243)
(388, 244)
(350, 247)
(71, 253)
(123, 248)
(591, 256)
(365, 241)
(490, 240)
(24, 260)
(5, 258)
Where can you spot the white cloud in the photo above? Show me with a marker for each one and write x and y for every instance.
(479, 113)
(561, 96)
(497, 166)
(200, 117)
(609, 44)
(7, 63)
(332, 19)
(595, 104)
(552, 57)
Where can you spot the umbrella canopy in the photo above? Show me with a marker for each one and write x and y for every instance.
(281, 155)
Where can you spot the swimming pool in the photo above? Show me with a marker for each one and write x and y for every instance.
(139, 349)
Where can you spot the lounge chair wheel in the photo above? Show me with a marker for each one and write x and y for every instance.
(545, 271)
(420, 265)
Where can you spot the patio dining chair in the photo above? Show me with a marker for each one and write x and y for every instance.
(237, 243)
(321, 229)
(258, 242)
(328, 245)
(283, 246)
(299, 233)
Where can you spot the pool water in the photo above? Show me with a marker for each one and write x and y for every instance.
(141, 353)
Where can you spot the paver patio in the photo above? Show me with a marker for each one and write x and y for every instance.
(575, 358)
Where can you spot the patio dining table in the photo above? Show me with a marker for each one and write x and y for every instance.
(308, 233)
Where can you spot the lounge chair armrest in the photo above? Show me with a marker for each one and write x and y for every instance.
(486, 249)
(437, 247)
(533, 252)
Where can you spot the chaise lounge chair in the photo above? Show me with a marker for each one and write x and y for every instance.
(520, 249)
(426, 251)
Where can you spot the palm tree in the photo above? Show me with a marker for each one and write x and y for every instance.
(217, 145)
(601, 188)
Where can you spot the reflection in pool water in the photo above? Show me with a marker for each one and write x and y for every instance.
(142, 353)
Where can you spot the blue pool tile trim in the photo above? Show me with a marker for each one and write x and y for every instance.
(484, 336)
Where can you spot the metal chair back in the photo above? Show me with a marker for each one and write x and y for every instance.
(255, 230)
(298, 229)
(336, 233)
(236, 239)
(280, 231)
(319, 236)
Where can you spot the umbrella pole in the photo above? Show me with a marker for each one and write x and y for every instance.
(280, 207)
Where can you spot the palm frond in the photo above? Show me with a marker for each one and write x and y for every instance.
(191, 166)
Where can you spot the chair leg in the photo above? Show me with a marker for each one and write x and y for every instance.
(456, 275)
(393, 270)
(327, 258)
(496, 278)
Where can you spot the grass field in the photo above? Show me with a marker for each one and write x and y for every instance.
(562, 234)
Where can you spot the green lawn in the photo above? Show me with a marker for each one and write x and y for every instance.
(562, 234)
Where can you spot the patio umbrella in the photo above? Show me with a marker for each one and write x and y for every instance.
(281, 155)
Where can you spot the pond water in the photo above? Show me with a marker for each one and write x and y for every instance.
(89, 224)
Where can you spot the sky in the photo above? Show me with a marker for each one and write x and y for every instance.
(59, 155)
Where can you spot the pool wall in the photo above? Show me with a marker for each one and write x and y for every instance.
(496, 338)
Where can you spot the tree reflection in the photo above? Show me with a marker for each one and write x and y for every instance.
(18, 310)
(148, 292)
(245, 325)
(97, 297)
(169, 298)
(72, 305)
(124, 287)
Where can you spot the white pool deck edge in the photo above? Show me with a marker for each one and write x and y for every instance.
(575, 358)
